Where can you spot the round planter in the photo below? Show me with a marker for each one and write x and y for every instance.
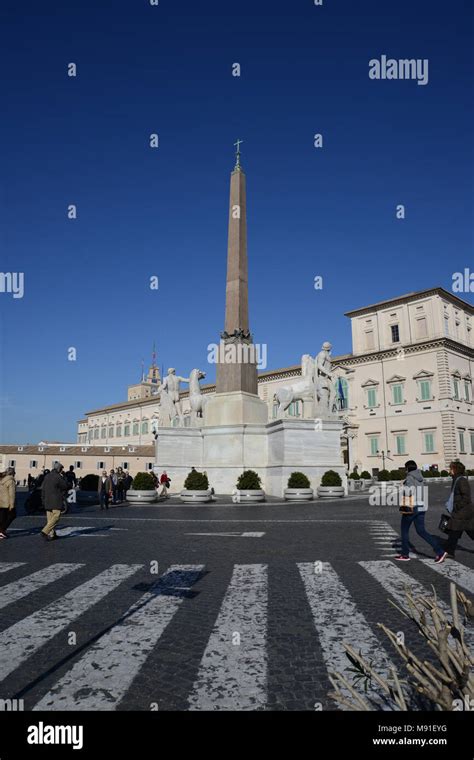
(250, 496)
(331, 491)
(141, 497)
(299, 494)
(87, 497)
(194, 497)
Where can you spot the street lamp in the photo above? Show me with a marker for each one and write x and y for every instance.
(384, 454)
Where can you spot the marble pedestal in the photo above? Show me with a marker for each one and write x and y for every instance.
(274, 450)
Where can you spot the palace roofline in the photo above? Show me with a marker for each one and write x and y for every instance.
(413, 296)
(74, 448)
(295, 369)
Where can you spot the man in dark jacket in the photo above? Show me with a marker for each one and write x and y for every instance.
(462, 515)
(54, 489)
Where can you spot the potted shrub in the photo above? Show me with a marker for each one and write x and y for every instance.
(143, 489)
(249, 487)
(383, 476)
(365, 475)
(196, 488)
(299, 488)
(444, 474)
(88, 490)
(331, 484)
(353, 481)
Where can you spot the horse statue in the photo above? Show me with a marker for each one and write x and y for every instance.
(197, 401)
(302, 390)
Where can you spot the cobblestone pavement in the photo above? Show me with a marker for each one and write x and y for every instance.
(224, 606)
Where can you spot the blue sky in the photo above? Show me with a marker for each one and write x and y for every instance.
(144, 212)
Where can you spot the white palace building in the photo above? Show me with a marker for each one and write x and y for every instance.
(405, 392)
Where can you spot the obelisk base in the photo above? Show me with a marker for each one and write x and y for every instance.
(235, 408)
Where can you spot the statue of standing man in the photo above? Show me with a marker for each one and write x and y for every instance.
(325, 391)
(169, 390)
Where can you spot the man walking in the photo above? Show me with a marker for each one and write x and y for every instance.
(105, 490)
(54, 489)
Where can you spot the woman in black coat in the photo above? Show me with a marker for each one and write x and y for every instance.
(462, 515)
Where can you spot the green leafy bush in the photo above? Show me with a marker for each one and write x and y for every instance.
(249, 481)
(444, 474)
(298, 480)
(397, 475)
(143, 481)
(196, 481)
(383, 476)
(354, 475)
(89, 483)
(365, 475)
(331, 478)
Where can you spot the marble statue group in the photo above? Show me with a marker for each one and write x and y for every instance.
(316, 386)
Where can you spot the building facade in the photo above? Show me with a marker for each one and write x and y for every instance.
(405, 392)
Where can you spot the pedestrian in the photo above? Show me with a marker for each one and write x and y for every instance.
(165, 483)
(128, 480)
(114, 480)
(461, 508)
(120, 484)
(7, 500)
(54, 489)
(413, 512)
(71, 477)
(105, 490)
(31, 481)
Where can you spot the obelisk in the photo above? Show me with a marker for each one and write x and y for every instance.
(236, 399)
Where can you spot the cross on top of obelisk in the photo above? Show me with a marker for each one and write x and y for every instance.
(237, 155)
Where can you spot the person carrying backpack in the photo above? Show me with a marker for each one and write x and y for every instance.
(461, 508)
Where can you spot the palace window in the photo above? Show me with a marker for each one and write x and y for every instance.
(374, 445)
(12, 463)
(371, 397)
(456, 389)
(401, 444)
(96, 433)
(126, 430)
(294, 409)
(395, 330)
(144, 427)
(462, 443)
(275, 411)
(425, 390)
(397, 393)
(111, 431)
(101, 465)
(119, 431)
(136, 428)
(467, 390)
(428, 443)
(342, 391)
(33, 464)
(471, 435)
(103, 432)
(369, 339)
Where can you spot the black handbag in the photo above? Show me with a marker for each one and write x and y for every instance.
(444, 522)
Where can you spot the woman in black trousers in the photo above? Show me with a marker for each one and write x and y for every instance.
(462, 515)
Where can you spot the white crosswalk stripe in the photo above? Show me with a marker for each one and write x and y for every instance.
(101, 678)
(453, 571)
(21, 640)
(394, 580)
(6, 566)
(16, 590)
(233, 670)
(337, 620)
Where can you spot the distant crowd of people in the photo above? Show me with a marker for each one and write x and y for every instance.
(48, 492)
(113, 487)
